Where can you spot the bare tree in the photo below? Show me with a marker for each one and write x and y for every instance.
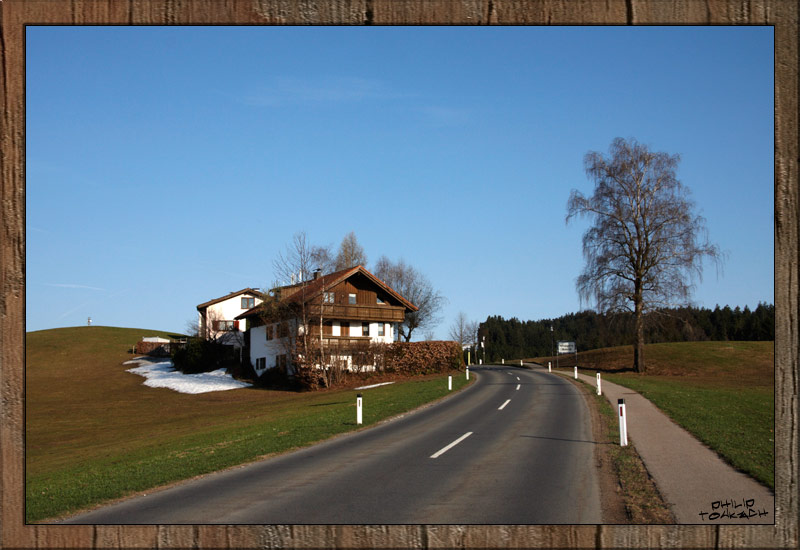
(463, 330)
(416, 288)
(645, 246)
(322, 258)
(350, 253)
(300, 321)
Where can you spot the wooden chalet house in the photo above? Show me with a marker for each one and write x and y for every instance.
(354, 306)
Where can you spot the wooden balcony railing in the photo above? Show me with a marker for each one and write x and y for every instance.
(388, 314)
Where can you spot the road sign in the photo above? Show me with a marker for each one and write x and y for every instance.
(566, 347)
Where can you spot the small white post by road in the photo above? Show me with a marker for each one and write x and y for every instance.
(576, 373)
(599, 391)
(504, 361)
(467, 373)
(549, 368)
(449, 382)
(623, 423)
(520, 362)
(359, 417)
(480, 361)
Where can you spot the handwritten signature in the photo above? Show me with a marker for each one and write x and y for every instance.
(733, 509)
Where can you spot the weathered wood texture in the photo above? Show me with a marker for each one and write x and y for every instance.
(782, 14)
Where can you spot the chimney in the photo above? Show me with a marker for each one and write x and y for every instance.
(317, 273)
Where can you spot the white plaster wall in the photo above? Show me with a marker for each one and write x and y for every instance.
(227, 310)
(261, 347)
(388, 336)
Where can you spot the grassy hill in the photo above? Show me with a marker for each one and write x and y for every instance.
(721, 392)
(94, 432)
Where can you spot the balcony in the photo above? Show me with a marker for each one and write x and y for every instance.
(386, 314)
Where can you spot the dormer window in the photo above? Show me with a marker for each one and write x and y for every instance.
(248, 303)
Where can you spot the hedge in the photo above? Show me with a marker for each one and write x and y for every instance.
(423, 357)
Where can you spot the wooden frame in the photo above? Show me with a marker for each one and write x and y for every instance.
(782, 14)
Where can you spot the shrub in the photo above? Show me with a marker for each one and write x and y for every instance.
(410, 358)
(203, 356)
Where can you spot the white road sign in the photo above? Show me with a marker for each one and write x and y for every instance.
(567, 347)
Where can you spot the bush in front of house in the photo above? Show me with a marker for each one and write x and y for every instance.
(200, 355)
(410, 358)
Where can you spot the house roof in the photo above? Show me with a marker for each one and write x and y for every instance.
(229, 296)
(315, 287)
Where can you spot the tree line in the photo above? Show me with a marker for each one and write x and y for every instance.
(513, 339)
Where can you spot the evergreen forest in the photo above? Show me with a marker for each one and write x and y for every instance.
(514, 339)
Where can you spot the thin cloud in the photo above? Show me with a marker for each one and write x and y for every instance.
(328, 90)
(68, 285)
(76, 308)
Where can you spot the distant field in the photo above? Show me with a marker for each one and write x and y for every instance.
(722, 392)
(94, 432)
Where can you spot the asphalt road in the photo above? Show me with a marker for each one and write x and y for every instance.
(514, 448)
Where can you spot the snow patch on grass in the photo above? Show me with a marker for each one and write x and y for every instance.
(162, 374)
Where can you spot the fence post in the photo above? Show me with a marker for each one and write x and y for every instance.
(599, 391)
(623, 423)
(359, 417)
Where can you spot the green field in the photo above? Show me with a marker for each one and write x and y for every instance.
(721, 392)
(94, 432)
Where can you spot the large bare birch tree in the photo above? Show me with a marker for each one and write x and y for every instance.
(646, 246)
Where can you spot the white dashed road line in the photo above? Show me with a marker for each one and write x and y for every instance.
(501, 407)
(453, 444)
(518, 386)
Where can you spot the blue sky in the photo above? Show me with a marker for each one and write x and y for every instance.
(166, 166)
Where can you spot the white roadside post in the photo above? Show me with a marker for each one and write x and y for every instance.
(623, 423)
(467, 373)
(503, 360)
(599, 391)
(576, 373)
(549, 368)
(520, 362)
(359, 416)
(449, 382)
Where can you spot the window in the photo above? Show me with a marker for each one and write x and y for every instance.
(280, 362)
(351, 299)
(380, 301)
(381, 329)
(328, 297)
(224, 325)
(248, 303)
(365, 329)
(261, 363)
(283, 329)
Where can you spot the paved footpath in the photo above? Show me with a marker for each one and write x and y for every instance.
(698, 486)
